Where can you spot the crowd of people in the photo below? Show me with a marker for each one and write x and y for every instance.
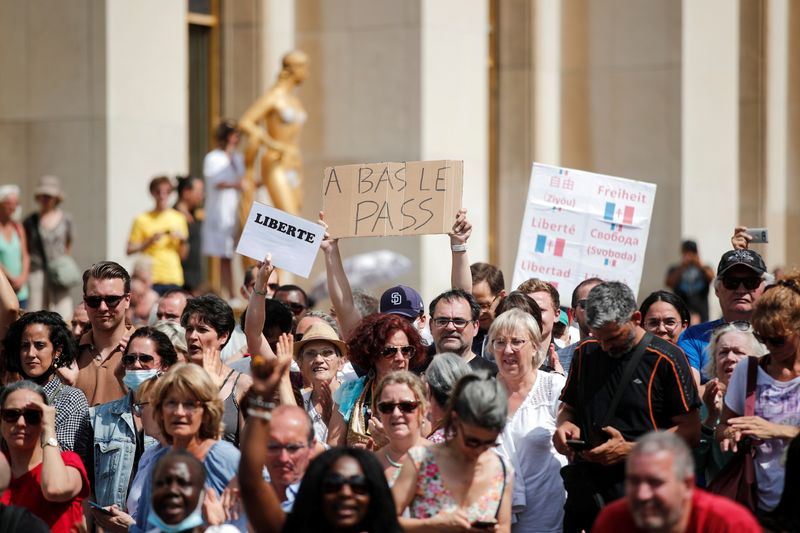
(150, 407)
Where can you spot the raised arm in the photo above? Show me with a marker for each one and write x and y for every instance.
(9, 305)
(60, 483)
(460, 275)
(339, 290)
(260, 501)
(256, 315)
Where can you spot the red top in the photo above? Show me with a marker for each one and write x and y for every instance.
(26, 491)
(710, 514)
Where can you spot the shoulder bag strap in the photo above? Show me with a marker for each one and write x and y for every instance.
(626, 376)
(502, 490)
(750, 398)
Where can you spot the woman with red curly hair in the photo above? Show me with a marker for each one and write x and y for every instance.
(381, 343)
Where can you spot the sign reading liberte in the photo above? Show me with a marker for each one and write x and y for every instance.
(379, 199)
(579, 225)
(292, 241)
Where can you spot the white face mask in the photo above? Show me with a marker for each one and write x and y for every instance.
(134, 378)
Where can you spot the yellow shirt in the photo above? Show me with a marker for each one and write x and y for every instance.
(166, 250)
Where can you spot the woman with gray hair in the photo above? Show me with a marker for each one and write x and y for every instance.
(432, 481)
(728, 345)
(440, 378)
(527, 440)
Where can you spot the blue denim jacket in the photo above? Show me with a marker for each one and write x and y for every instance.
(114, 448)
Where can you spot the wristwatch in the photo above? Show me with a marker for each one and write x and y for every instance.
(52, 441)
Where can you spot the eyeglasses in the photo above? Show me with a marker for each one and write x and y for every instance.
(189, 406)
(472, 442)
(458, 323)
(485, 306)
(516, 344)
(291, 449)
(333, 483)
(327, 353)
(389, 351)
(581, 303)
(137, 408)
(388, 408)
(112, 301)
(670, 324)
(750, 283)
(145, 358)
(32, 417)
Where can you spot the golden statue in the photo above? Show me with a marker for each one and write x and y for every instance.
(283, 116)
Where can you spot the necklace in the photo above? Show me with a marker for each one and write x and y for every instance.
(392, 461)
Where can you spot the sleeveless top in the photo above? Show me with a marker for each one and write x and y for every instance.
(11, 257)
(432, 497)
(230, 414)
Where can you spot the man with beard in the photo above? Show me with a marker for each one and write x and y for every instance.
(660, 495)
(454, 323)
(646, 377)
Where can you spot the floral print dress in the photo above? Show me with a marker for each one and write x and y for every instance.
(432, 497)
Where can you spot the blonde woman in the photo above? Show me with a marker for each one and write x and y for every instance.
(401, 405)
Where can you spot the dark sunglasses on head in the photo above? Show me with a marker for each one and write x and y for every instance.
(333, 483)
(773, 341)
(31, 416)
(750, 283)
(111, 301)
(387, 408)
(390, 351)
(130, 358)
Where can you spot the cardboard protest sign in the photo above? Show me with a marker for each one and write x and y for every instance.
(378, 199)
(292, 241)
(579, 225)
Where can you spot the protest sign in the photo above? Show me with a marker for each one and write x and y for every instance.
(292, 241)
(379, 199)
(579, 225)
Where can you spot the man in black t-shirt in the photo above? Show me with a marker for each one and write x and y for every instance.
(661, 395)
(454, 323)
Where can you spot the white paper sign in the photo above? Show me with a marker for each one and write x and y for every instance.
(292, 241)
(579, 225)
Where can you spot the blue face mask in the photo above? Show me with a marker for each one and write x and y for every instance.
(190, 522)
(134, 378)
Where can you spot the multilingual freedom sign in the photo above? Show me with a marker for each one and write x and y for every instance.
(579, 225)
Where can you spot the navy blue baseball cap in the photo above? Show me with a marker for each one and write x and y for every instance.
(402, 300)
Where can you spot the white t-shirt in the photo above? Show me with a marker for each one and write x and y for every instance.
(777, 402)
(221, 207)
(527, 442)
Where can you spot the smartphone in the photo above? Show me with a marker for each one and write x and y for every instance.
(483, 525)
(577, 445)
(760, 235)
(100, 508)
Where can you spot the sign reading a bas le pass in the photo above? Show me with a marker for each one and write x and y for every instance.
(379, 199)
(292, 241)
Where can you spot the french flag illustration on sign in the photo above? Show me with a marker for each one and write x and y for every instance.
(613, 213)
(550, 246)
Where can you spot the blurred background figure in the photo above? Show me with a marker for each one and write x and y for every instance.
(690, 279)
(50, 233)
(223, 168)
(14, 260)
(191, 194)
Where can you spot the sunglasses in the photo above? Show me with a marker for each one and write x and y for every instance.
(32, 417)
(111, 301)
(387, 408)
(405, 351)
(291, 449)
(144, 358)
(581, 303)
(295, 307)
(773, 341)
(333, 483)
(749, 283)
(472, 442)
